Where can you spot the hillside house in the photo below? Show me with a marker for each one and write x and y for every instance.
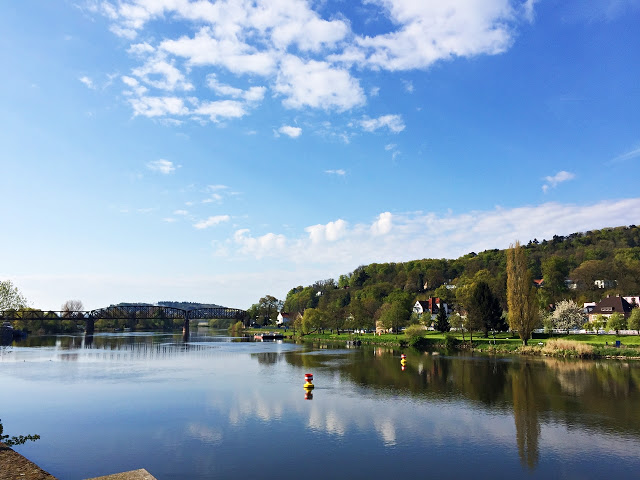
(610, 305)
(286, 318)
(431, 305)
(605, 283)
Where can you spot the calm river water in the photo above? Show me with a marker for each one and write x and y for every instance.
(217, 409)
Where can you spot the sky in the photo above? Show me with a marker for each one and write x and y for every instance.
(219, 151)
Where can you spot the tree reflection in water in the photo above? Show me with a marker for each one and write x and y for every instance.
(525, 414)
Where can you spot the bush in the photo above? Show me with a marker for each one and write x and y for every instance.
(450, 342)
(236, 329)
(414, 331)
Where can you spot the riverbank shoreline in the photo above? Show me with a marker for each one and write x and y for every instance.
(16, 466)
(575, 346)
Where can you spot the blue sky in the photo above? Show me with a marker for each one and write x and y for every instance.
(219, 151)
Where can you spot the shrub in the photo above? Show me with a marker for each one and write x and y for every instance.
(236, 329)
(450, 342)
(414, 331)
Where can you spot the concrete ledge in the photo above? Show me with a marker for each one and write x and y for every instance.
(140, 474)
(14, 466)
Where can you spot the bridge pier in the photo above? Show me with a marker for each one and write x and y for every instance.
(185, 329)
(90, 326)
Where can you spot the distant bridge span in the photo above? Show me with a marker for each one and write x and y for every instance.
(127, 312)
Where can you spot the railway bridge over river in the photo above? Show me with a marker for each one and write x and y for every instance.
(129, 313)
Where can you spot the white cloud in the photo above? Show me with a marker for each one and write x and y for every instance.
(253, 94)
(158, 106)
(431, 31)
(181, 212)
(259, 38)
(266, 245)
(317, 84)
(528, 9)
(212, 221)
(140, 49)
(553, 181)
(292, 132)
(339, 247)
(204, 49)
(215, 188)
(338, 172)
(392, 122)
(330, 232)
(390, 146)
(635, 153)
(135, 86)
(87, 82)
(221, 109)
(163, 166)
(159, 73)
(383, 224)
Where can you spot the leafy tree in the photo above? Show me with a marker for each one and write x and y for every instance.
(554, 270)
(567, 315)
(442, 323)
(589, 271)
(457, 322)
(393, 315)
(521, 295)
(10, 297)
(483, 312)
(445, 294)
(617, 322)
(634, 320)
(266, 310)
(599, 323)
(313, 320)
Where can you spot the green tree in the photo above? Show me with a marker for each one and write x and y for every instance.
(599, 323)
(634, 320)
(10, 297)
(313, 320)
(521, 295)
(554, 271)
(265, 312)
(457, 322)
(442, 323)
(617, 322)
(393, 315)
(483, 312)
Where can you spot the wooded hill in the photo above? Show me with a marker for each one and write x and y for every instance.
(569, 266)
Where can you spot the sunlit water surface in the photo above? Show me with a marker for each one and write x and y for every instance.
(216, 408)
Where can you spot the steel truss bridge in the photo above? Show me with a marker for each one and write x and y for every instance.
(131, 313)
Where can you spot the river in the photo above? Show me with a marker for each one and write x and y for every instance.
(219, 408)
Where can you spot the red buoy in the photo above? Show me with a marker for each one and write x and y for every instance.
(308, 380)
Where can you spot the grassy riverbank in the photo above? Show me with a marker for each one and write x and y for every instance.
(583, 346)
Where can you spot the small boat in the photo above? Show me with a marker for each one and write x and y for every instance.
(268, 336)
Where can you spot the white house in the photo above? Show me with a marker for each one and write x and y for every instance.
(432, 305)
(285, 318)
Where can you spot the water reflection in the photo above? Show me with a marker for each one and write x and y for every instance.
(525, 414)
